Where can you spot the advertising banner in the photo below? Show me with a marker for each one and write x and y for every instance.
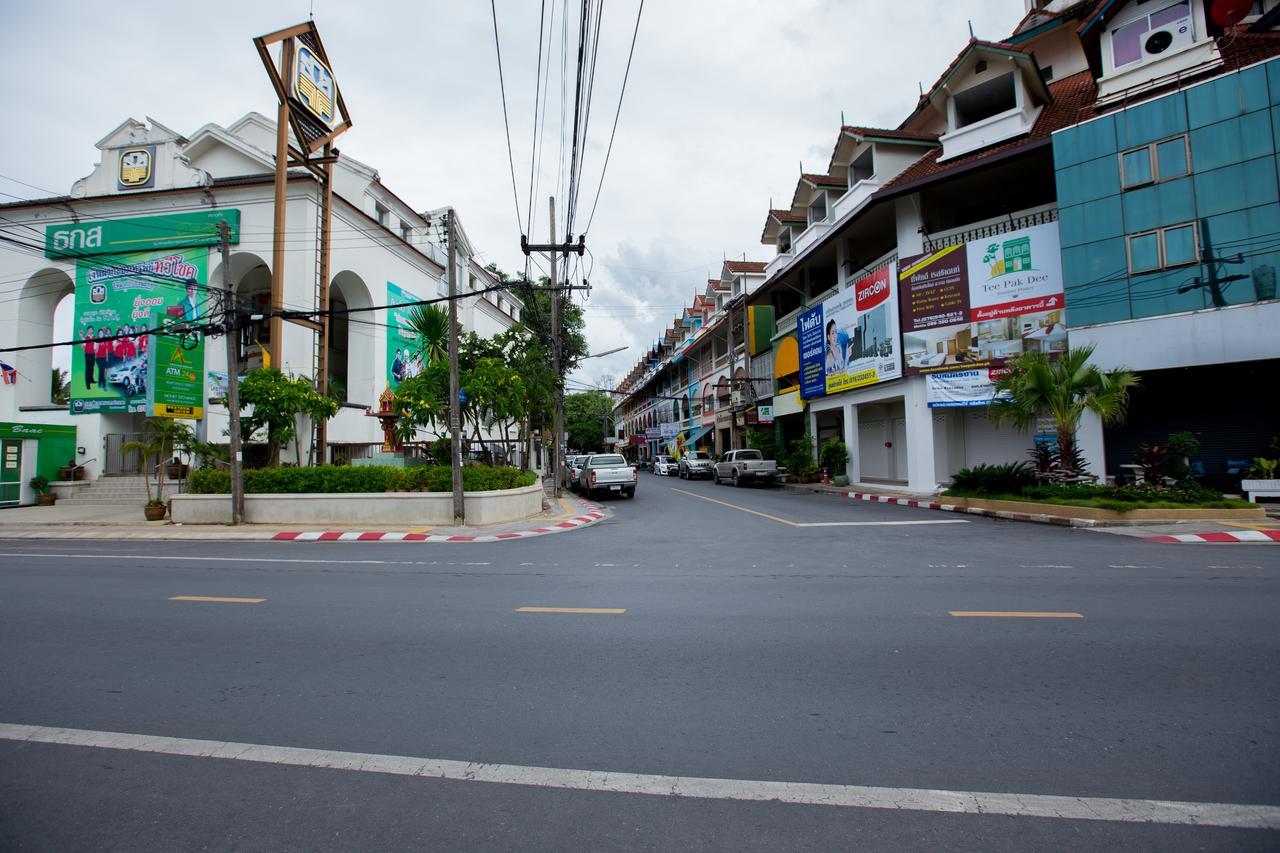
(403, 358)
(961, 388)
(653, 433)
(113, 236)
(671, 429)
(117, 300)
(764, 414)
(851, 339)
(978, 304)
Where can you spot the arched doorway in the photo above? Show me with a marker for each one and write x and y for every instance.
(39, 300)
(353, 341)
(251, 284)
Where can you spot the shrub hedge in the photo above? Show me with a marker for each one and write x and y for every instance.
(346, 479)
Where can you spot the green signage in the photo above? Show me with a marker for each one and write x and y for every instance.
(118, 300)
(111, 236)
(403, 358)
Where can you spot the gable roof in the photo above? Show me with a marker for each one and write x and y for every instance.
(744, 267)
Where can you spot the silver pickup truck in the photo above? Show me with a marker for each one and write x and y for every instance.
(742, 467)
(607, 472)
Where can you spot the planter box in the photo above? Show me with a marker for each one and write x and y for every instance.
(369, 510)
(1096, 514)
(1260, 489)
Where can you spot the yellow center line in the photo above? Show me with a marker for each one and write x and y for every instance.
(739, 508)
(1017, 614)
(217, 599)
(599, 610)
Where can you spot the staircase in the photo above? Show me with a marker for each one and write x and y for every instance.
(119, 491)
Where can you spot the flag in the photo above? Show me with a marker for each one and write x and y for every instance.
(10, 373)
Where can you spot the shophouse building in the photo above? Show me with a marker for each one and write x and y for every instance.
(160, 193)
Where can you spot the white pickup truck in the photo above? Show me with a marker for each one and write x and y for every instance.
(608, 472)
(741, 467)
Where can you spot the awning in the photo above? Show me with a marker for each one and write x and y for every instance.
(692, 441)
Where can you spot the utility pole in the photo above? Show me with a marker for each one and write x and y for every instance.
(555, 249)
(231, 324)
(455, 404)
(733, 386)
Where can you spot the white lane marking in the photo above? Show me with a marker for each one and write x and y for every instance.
(1045, 566)
(803, 793)
(876, 523)
(240, 559)
(1125, 566)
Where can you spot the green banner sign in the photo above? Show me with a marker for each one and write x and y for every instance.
(403, 358)
(113, 236)
(118, 299)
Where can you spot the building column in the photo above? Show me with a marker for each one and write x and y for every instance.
(1090, 440)
(854, 469)
(920, 457)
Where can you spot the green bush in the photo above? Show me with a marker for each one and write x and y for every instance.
(1008, 478)
(835, 456)
(799, 459)
(345, 479)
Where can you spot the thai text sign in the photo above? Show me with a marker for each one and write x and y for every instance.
(851, 339)
(199, 228)
(962, 388)
(977, 304)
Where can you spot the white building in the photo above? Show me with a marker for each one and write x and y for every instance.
(378, 242)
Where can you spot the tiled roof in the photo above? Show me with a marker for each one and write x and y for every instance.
(787, 216)
(972, 45)
(1240, 49)
(885, 133)
(825, 181)
(743, 266)
(1073, 99)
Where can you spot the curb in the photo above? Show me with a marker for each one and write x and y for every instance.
(1264, 536)
(594, 515)
(1038, 518)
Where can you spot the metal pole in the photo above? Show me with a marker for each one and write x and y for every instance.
(557, 429)
(455, 405)
(281, 200)
(322, 350)
(733, 413)
(233, 380)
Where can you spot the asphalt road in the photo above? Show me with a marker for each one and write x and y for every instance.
(766, 637)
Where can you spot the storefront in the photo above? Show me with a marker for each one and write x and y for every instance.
(32, 450)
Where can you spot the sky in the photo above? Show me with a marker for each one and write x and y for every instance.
(724, 102)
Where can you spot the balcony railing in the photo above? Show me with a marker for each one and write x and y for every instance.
(933, 243)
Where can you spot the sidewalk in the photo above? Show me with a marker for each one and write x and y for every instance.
(126, 522)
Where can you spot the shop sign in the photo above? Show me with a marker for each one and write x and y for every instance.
(653, 433)
(723, 419)
(198, 228)
(764, 414)
(403, 356)
(851, 339)
(13, 430)
(670, 430)
(313, 85)
(960, 388)
(131, 316)
(978, 304)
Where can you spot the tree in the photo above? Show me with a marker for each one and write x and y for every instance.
(277, 400)
(431, 325)
(159, 438)
(586, 420)
(1061, 389)
(59, 387)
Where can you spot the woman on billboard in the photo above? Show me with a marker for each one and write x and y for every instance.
(836, 360)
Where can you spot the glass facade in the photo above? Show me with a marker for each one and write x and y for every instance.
(1146, 190)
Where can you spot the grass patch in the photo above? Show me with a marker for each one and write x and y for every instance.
(1099, 502)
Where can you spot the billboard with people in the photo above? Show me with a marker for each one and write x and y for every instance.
(404, 357)
(851, 339)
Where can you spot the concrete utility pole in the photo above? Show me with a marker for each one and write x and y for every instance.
(555, 249)
(229, 321)
(455, 404)
(733, 385)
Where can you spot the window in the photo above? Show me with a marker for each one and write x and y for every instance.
(818, 210)
(985, 100)
(1159, 161)
(1163, 248)
(406, 233)
(863, 167)
(381, 214)
(1152, 36)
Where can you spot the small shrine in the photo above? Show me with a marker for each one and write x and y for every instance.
(389, 416)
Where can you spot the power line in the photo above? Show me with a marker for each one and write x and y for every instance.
(511, 160)
(608, 151)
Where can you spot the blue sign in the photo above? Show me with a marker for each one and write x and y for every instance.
(813, 377)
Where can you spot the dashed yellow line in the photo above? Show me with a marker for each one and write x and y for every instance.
(217, 599)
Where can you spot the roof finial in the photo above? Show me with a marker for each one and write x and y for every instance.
(921, 85)
(842, 118)
(802, 167)
(971, 35)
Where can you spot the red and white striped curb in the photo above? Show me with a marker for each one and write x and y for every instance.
(989, 513)
(1220, 536)
(594, 515)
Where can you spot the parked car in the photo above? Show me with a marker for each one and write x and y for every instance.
(608, 472)
(665, 466)
(572, 467)
(742, 467)
(695, 463)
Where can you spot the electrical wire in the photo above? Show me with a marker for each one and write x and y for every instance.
(502, 85)
(612, 133)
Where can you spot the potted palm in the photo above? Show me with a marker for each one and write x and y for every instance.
(44, 497)
(158, 443)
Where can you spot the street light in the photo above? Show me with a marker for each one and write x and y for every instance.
(606, 352)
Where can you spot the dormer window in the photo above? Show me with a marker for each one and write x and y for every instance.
(863, 167)
(381, 214)
(818, 209)
(985, 100)
(1152, 36)
(784, 241)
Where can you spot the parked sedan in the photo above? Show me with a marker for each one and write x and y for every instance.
(665, 466)
(696, 463)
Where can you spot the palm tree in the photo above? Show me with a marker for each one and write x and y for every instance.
(431, 324)
(1061, 389)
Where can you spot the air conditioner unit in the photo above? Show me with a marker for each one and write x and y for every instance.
(1168, 38)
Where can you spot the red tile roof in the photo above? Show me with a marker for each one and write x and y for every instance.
(744, 266)
(1073, 99)
(885, 133)
(786, 216)
(825, 181)
(1243, 49)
